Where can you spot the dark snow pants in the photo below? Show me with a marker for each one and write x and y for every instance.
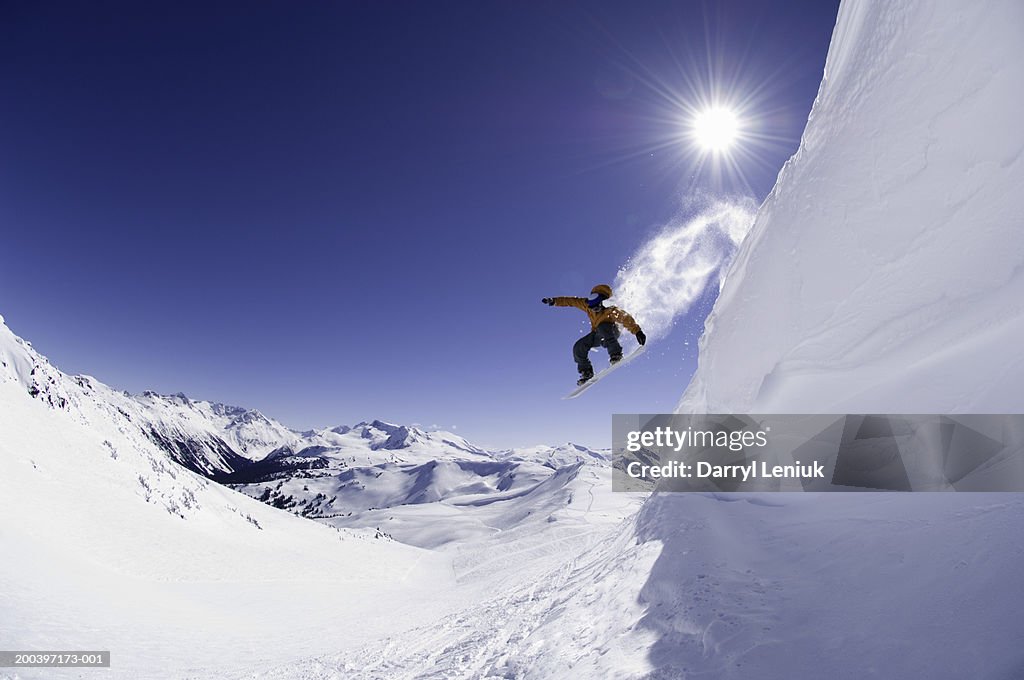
(606, 335)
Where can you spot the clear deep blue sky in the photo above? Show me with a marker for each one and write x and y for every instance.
(339, 211)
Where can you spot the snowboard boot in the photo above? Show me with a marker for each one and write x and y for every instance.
(585, 375)
(615, 358)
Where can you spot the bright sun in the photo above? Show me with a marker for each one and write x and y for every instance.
(716, 129)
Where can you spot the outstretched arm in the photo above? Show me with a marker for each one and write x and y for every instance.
(577, 302)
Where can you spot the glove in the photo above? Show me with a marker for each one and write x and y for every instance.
(641, 338)
(549, 301)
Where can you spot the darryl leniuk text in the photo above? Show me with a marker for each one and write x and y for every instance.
(737, 440)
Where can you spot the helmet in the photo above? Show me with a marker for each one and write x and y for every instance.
(602, 289)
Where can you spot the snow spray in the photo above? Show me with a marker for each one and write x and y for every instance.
(669, 272)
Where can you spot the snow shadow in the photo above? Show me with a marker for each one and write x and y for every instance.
(834, 585)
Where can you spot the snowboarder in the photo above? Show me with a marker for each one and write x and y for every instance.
(604, 325)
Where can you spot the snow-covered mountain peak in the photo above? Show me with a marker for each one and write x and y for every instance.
(382, 425)
(22, 364)
(15, 358)
(558, 456)
(405, 440)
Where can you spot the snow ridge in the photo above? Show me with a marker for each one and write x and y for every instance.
(885, 272)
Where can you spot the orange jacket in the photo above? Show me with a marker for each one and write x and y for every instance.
(600, 315)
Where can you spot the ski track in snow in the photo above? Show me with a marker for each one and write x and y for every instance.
(484, 640)
(480, 642)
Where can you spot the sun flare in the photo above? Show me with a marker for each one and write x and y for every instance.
(716, 129)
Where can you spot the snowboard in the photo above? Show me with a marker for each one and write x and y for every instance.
(602, 373)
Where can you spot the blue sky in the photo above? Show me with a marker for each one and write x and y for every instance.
(343, 211)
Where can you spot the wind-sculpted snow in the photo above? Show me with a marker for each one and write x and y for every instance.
(885, 272)
(670, 272)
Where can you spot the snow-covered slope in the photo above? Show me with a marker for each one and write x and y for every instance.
(111, 544)
(107, 544)
(737, 586)
(885, 272)
(206, 437)
(345, 475)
